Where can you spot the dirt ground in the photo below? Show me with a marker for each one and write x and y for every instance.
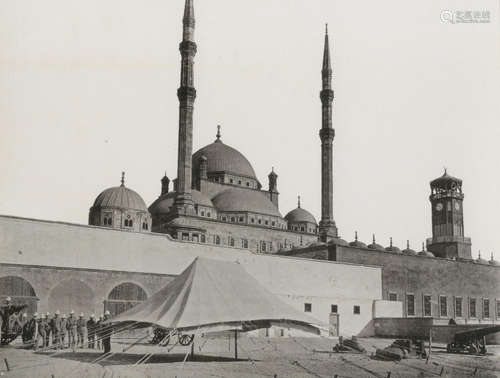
(258, 357)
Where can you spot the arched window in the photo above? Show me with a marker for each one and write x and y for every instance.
(145, 225)
(123, 297)
(231, 241)
(244, 243)
(217, 239)
(20, 291)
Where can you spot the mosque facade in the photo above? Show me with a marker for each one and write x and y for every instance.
(217, 203)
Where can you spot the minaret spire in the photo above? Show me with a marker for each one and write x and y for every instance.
(186, 94)
(327, 227)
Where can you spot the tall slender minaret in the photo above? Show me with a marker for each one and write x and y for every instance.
(327, 227)
(186, 94)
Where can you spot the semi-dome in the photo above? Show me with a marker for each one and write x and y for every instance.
(163, 203)
(245, 200)
(223, 158)
(300, 215)
(120, 197)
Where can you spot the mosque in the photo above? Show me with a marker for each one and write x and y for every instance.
(219, 208)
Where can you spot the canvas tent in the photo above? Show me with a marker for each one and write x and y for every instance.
(212, 295)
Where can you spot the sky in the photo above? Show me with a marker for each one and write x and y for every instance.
(88, 90)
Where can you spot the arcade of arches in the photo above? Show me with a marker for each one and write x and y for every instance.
(45, 289)
(20, 291)
(123, 297)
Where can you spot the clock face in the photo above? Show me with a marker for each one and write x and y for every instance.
(457, 206)
(439, 206)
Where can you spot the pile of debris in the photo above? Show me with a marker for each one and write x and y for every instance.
(401, 349)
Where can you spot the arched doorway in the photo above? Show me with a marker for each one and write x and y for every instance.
(73, 295)
(20, 291)
(123, 297)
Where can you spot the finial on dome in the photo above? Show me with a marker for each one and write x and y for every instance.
(356, 235)
(218, 132)
(373, 238)
(123, 178)
(326, 28)
(423, 246)
(408, 244)
(298, 202)
(479, 255)
(445, 171)
(491, 256)
(390, 241)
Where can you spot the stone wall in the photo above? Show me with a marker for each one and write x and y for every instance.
(48, 253)
(421, 275)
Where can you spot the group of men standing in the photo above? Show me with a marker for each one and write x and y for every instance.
(59, 331)
(67, 331)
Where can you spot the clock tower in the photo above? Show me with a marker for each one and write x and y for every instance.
(448, 240)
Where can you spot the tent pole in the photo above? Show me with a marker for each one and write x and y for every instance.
(192, 348)
(235, 344)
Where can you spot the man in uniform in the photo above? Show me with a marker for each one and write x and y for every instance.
(33, 329)
(106, 333)
(98, 331)
(91, 328)
(41, 331)
(25, 328)
(55, 326)
(71, 327)
(62, 337)
(47, 329)
(81, 325)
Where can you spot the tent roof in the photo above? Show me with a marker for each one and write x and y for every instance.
(213, 295)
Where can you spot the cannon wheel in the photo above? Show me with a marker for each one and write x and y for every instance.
(185, 339)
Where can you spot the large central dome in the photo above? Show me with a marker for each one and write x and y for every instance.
(223, 158)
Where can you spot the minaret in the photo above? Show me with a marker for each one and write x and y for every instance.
(186, 94)
(273, 187)
(327, 227)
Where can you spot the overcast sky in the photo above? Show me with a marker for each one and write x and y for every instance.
(88, 89)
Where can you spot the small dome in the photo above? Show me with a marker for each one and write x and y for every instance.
(245, 200)
(493, 262)
(223, 158)
(376, 246)
(392, 248)
(338, 241)
(163, 203)
(408, 250)
(356, 242)
(445, 179)
(120, 197)
(480, 260)
(300, 215)
(424, 252)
